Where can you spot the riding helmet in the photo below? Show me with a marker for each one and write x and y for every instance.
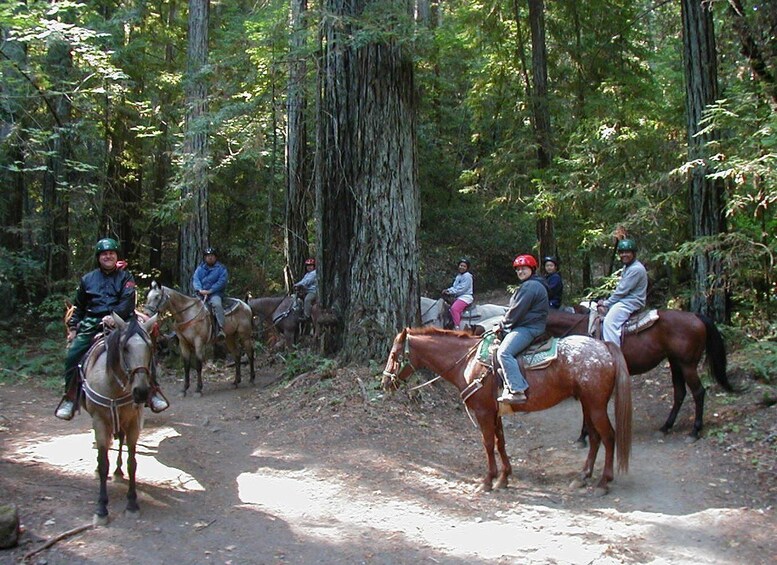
(106, 244)
(465, 261)
(310, 261)
(525, 261)
(553, 259)
(627, 245)
(210, 251)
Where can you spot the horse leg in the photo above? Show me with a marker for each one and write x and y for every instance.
(198, 368)
(101, 512)
(689, 375)
(488, 424)
(117, 472)
(507, 468)
(248, 347)
(678, 383)
(187, 366)
(581, 440)
(593, 450)
(132, 496)
(234, 351)
(603, 428)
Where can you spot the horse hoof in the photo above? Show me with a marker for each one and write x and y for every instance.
(133, 514)
(581, 444)
(577, 484)
(99, 521)
(182, 394)
(198, 394)
(500, 484)
(600, 491)
(691, 439)
(483, 488)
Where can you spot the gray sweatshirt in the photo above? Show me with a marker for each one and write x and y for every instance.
(632, 288)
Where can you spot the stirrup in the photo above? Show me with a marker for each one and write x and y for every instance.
(157, 402)
(66, 409)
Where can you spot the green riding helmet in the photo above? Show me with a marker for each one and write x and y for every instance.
(106, 244)
(627, 245)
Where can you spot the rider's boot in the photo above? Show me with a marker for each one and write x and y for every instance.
(156, 400)
(67, 406)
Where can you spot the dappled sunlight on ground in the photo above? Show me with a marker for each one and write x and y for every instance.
(75, 454)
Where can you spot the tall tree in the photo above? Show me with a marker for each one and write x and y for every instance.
(366, 182)
(706, 193)
(298, 181)
(195, 229)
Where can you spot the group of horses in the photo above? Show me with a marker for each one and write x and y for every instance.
(118, 373)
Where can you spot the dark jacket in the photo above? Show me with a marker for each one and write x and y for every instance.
(99, 294)
(555, 290)
(528, 306)
(210, 278)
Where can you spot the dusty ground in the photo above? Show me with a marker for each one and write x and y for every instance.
(314, 471)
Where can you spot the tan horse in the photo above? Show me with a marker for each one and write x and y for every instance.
(586, 369)
(195, 330)
(116, 386)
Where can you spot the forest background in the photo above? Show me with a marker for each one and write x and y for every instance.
(388, 139)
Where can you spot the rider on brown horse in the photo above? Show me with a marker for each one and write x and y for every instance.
(524, 321)
(629, 296)
(209, 282)
(106, 289)
(308, 286)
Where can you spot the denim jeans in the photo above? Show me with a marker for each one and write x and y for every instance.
(513, 344)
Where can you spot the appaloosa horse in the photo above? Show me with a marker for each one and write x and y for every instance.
(585, 368)
(117, 376)
(681, 337)
(195, 330)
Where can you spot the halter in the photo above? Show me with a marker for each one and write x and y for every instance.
(128, 374)
(166, 298)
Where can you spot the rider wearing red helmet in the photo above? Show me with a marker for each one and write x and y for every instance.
(308, 284)
(524, 320)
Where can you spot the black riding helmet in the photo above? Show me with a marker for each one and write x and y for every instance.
(210, 251)
(553, 259)
(465, 261)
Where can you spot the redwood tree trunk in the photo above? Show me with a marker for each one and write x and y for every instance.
(706, 195)
(366, 186)
(194, 228)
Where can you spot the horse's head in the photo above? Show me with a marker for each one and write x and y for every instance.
(398, 366)
(156, 299)
(131, 357)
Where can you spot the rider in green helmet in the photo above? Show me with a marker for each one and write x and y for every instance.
(629, 296)
(109, 288)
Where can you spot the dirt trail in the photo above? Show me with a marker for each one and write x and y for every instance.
(311, 473)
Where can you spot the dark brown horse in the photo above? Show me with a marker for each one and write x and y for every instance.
(586, 369)
(195, 330)
(116, 387)
(681, 337)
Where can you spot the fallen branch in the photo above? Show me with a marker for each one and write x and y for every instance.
(58, 538)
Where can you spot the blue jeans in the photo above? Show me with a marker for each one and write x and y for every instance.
(218, 309)
(512, 345)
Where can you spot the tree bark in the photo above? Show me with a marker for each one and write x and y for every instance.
(366, 186)
(194, 236)
(298, 181)
(706, 195)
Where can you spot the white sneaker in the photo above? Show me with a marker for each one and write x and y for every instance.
(65, 410)
(158, 403)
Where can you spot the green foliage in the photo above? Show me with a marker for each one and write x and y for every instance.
(35, 359)
(301, 360)
(759, 361)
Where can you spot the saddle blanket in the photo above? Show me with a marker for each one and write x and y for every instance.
(536, 356)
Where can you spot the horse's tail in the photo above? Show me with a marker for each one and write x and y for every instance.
(622, 408)
(716, 353)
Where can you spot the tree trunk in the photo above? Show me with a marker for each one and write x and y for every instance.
(706, 195)
(194, 235)
(366, 186)
(298, 197)
(541, 118)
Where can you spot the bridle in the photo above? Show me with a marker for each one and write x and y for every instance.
(164, 300)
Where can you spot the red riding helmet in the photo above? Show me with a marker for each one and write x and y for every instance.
(310, 261)
(525, 261)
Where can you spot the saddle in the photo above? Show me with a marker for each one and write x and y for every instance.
(230, 305)
(540, 353)
(285, 308)
(638, 322)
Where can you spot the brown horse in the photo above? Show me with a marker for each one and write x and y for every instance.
(279, 311)
(195, 330)
(116, 387)
(586, 369)
(263, 308)
(681, 337)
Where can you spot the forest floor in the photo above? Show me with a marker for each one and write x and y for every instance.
(327, 469)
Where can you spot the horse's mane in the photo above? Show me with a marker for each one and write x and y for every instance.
(116, 340)
(431, 330)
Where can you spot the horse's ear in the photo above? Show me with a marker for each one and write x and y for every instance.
(154, 285)
(148, 325)
(120, 323)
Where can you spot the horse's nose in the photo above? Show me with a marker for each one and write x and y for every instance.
(140, 393)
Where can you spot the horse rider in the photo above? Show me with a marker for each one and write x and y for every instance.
(209, 282)
(309, 285)
(629, 296)
(524, 320)
(106, 289)
(462, 291)
(554, 281)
